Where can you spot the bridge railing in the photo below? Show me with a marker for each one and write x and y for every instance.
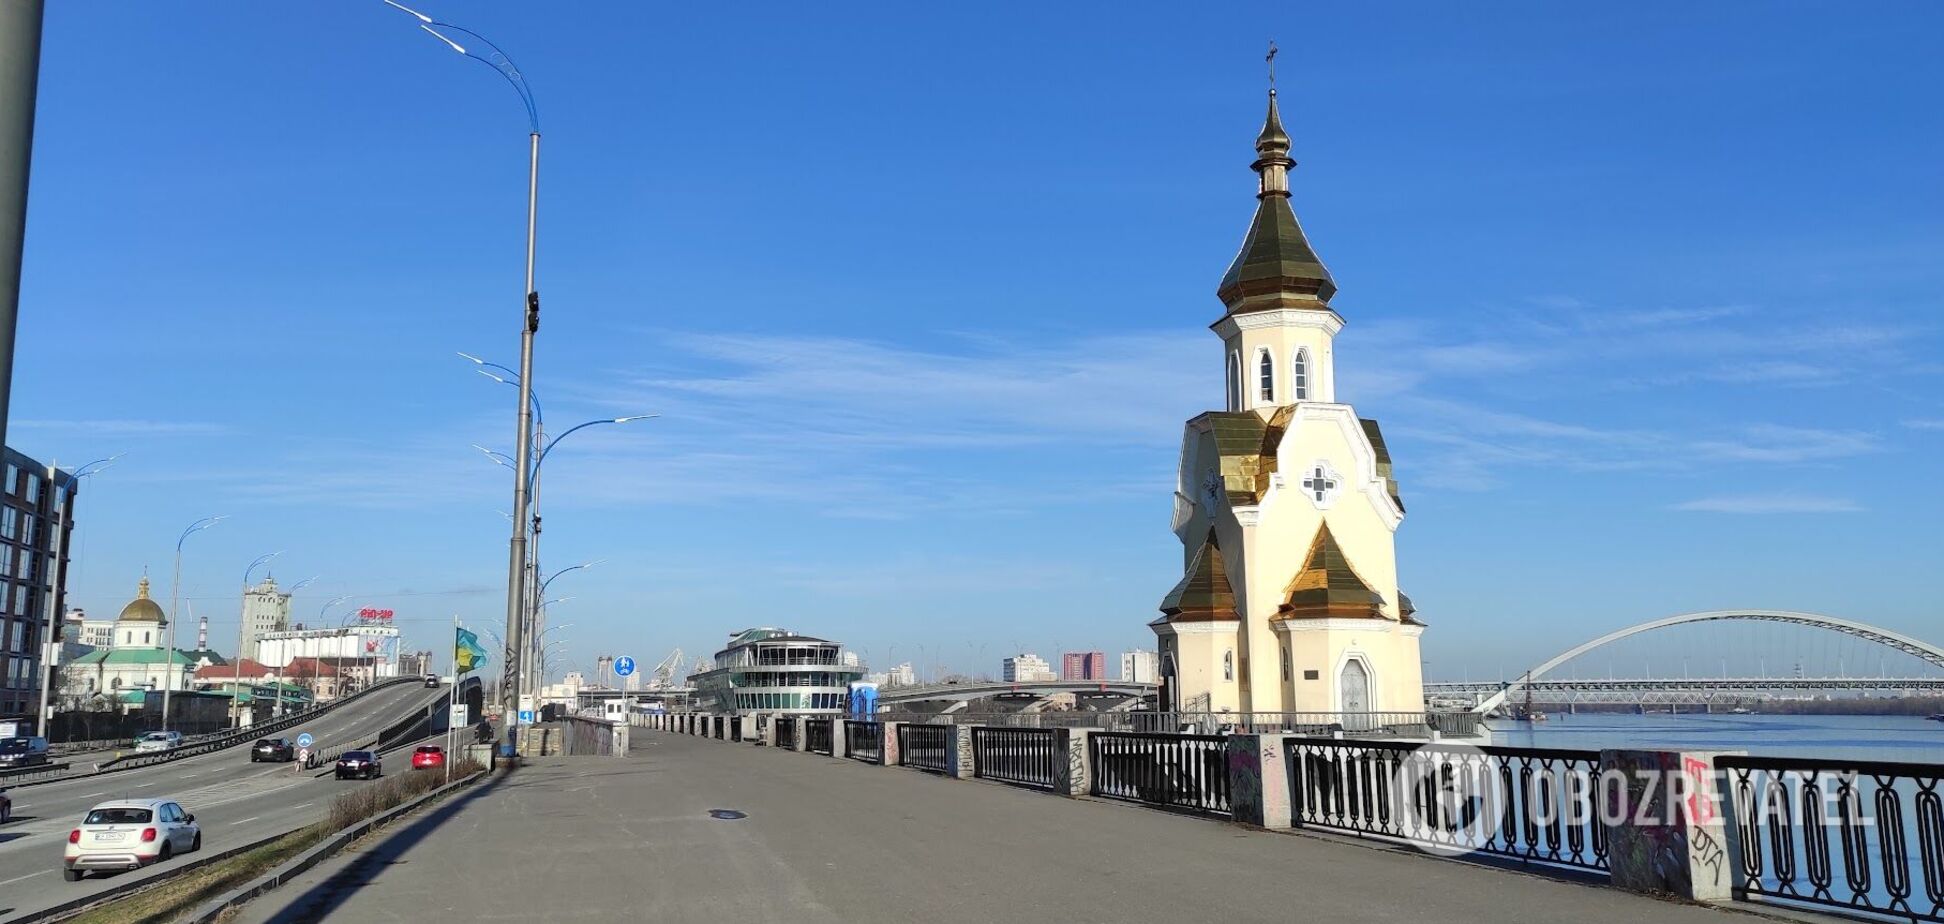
(1361, 724)
(818, 736)
(926, 747)
(1886, 821)
(1532, 805)
(864, 741)
(1021, 756)
(1175, 771)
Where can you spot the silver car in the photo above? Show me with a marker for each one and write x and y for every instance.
(129, 834)
(158, 741)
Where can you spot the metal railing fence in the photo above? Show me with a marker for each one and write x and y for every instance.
(1176, 771)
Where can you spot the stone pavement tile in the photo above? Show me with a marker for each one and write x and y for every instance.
(822, 840)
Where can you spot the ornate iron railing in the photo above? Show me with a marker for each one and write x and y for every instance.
(1532, 805)
(1858, 836)
(926, 747)
(817, 735)
(1177, 771)
(864, 741)
(1021, 756)
(1355, 724)
(786, 732)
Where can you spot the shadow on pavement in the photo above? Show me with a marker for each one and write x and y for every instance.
(317, 903)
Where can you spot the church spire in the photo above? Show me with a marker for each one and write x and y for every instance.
(1276, 268)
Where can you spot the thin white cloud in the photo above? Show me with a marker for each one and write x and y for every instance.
(1924, 424)
(1777, 444)
(145, 428)
(1759, 504)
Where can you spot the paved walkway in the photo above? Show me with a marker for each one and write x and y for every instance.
(607, 839)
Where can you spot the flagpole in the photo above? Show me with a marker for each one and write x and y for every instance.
(452, 698)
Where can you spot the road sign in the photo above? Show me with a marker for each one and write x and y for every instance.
(305, 740)
(458, 715)
(303, 758)
(623, 666)
(526, 715)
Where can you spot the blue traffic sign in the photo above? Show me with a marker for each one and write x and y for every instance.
(304, 740)
(526, 715)
(623, 666)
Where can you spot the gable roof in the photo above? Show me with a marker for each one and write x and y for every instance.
(1328, 586)
(132, 656)
(1204, 593)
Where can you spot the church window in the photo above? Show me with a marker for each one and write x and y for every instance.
(1299, 377)
(1266, 376)
(1228, 665)
(145, 639)
(1285, 662)
(115, 683)
(1234, 382)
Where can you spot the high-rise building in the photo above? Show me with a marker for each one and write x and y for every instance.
(1286, 505)
(1137, 666)
(30, 510)
(94, 633)
(1025, 668)
(265, 610)
(1083, 665)
(901, 676)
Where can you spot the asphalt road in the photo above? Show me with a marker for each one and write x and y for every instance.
(233, 799)
(807, 839)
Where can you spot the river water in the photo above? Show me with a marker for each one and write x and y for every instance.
(1908, 739)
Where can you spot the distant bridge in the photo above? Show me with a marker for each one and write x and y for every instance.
(980, 689)
(1692, 688)
(1685, 690)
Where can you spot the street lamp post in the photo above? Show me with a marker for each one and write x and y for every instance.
(57, 578)
(242, 630)
(516, 551)
(175, 597)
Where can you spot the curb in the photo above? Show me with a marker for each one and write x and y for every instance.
(95, 898)
(298, 865)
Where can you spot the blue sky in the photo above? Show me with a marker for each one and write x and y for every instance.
(1645, 297)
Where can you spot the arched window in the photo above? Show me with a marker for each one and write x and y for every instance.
(1234, 382)
(1299, 377)
(145, 639)
(1228, 665)
(1266, 376)
(1285, 663)
(115, 683)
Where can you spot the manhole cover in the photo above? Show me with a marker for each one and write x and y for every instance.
(726, 814)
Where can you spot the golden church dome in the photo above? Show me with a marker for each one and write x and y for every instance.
(142, 609)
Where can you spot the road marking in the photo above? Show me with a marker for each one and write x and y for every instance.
(19, 878)
(246, 820)
(94, 794)
(303, 805)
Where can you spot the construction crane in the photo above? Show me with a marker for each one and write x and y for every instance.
(664, 673)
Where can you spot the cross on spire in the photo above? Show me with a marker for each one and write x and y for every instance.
(1271, 59)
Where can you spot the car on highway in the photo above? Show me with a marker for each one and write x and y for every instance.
(277, 749)
(431, 680)
(361, 764)
(428, 757)
(158, 741)
(129, 834)
(22, 751)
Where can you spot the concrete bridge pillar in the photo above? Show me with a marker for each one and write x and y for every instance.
(1666, 823)
(1259, 776)
(1072, 779)
(840, 738)
(959, 762)
(888, 752)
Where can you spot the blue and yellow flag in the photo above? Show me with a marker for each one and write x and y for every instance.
(467, 655)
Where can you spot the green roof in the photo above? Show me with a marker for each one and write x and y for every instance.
(134, 696)
(132, 656)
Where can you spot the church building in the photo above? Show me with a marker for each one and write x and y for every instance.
(135, 662)
(1285, 506)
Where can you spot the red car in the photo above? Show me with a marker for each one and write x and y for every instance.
(428, 757)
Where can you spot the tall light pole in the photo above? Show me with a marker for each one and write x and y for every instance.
(57, 579)
(20, 41)
(516, 551)
(242, 630)
(175, 597)
(536, 619)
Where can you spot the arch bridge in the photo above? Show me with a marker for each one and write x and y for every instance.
(1916, 648)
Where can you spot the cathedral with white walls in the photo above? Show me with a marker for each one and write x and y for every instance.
(1286, 507)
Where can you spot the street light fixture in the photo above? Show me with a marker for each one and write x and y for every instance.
(175, 595)
(57, 579)
(502, 63)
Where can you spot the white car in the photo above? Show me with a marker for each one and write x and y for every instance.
(129, 834)
(158, 741)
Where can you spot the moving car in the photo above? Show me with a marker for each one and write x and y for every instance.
(129, 834)
(361, 764)
(431, 680)
(428, 757)
(278, 749)
(22, 751)
(158, 741)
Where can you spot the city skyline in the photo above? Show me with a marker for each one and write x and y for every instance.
(1712, 365)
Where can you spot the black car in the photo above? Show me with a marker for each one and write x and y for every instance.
(360, 764)
(277, 749)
